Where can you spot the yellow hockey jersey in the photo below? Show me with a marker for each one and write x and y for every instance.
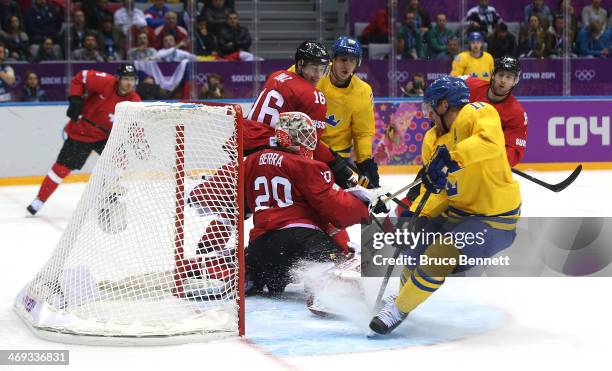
(484, 186)
(465, 64)
(350, 117)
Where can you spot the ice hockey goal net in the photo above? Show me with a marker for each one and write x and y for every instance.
(128, 269)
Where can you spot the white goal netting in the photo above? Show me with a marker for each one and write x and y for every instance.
(132, 265)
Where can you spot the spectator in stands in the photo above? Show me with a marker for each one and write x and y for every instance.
(170, 53)
(185, 17)
(216, 15)
(155, 14)
(593, 41)
(142, 51)
(89, 51)
(7, 76)
(16, 41)
(233, 38)
(410, 35)
(8, 8)
(541, 10)
(482, 18)
(563, 4)
(47, 52)
(594, 12)
(205, 42)
(78, 30)
(421, 19)
(149, 90)
(122, 20)
(377, 31)
(415, 87)
(95, 13)
(474, 62)
(454, 47)
(501, 43)
(533, 40)
(213, 88)
(31, 89)
(170, 27)
(437, 38)
(113, 41)
(557, 34)
(42, 20)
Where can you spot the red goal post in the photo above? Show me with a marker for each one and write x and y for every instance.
(127, 268)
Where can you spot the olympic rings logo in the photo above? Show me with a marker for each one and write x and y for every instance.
(400, 76)
(584, 75)
(201, 78)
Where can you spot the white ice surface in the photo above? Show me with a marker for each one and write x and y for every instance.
(470, 323)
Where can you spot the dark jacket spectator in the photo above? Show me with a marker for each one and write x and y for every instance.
(96, 12)
(233, 37)
(415, 87)
(570, 8)
(411, 37)
(593, 41)
(16, 40)
(213, 88)
(422, 19)
(9, 8)
(155, 14)
(377, 31)
(89, 51)
(171, 27)
(113, 41)
(540, 10)
(42, 20)
(78, 29)
(557, 41)
(216, 15)
(205, 42)
(47, 52)
(149, 90)
(31, 90)
(533, 40)
(454, 47)
(501, 42)
(437, 38)
(482, 18)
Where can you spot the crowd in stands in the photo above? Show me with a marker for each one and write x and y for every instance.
(100, 30)
(541, 33)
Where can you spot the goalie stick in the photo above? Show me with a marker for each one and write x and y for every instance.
(553, 187)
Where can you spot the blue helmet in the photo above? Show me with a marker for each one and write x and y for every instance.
(453, 89)
(345, 45)
(475, 36)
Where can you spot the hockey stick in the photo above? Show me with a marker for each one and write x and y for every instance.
(553, 187)
(395, 194)
(385, 282)
(105, 130)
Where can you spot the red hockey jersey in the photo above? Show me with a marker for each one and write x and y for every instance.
(286, 91)
(513, 118)
(288, 190)
(99, 104)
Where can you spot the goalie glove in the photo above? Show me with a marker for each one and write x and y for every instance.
(372, 197)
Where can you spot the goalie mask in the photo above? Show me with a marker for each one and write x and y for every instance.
(296, 131)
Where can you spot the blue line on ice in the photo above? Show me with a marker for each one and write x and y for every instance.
(285, 327)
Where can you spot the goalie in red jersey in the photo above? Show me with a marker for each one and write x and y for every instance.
(284, 91)
(93, 96)
(289, 212)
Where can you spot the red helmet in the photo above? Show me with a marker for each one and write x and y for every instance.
(295, 130)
